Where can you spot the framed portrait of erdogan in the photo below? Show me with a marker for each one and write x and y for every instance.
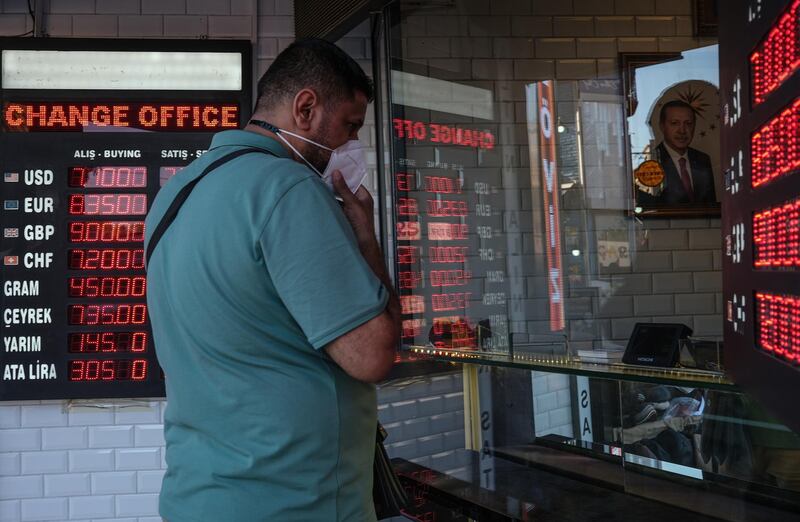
(673, 127)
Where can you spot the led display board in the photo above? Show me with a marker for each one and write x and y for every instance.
(760, 82)
(82, 163)
(449, 238)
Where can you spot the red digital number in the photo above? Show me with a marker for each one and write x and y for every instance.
(106, 231)
(108, 177)
(407, 207)
(107, 342)
(108, 204)
(447, 231)
(409, 279)
(123, 286)
(107, 314)
(453, 333)
(778, 325)
(447, 208)
(775, 148)
(408, 230)
(412, 304)
(405, 182)
(448, 302)
(447, 254)
(106, 259)
(442, 185)
(441, 278)
(407, 255)
(412, 327)
(778, 56)
(108, 370)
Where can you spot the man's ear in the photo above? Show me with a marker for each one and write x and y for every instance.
(304, 108)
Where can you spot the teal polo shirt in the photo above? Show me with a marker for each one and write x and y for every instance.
(259, 271)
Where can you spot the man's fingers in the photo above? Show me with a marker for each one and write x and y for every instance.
(364, 197)
(341, 188)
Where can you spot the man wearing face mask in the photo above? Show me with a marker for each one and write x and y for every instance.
(271, 308)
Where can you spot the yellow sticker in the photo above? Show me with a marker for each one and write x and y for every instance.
(650, 173)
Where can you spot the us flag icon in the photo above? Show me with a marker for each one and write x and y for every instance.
(11, 260)
(10, 232)
(11, 177)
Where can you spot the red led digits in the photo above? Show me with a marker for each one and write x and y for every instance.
(108, 204)
(106, 314)
(447, 254)
(442, 185)
(412, 304)
(775, 148)
(407, 207)
(448, 302)
(440, 278)
(776, 236)
(107, 286)
(778, 325)
(107, 342)
(408, 231)
(108, 177)
(412, 327)
(106, 259)
(108, 370)
(778, 56)
(447, 208)
(409, 279)
(405, 182)
(453, 333)
(106, 231)
(447, 231)
(407, 255)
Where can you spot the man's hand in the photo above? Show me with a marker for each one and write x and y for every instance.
(359, 209)
(367, 352)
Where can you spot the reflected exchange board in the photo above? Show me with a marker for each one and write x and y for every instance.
(449, 234)
(759, 59)
(80, 171)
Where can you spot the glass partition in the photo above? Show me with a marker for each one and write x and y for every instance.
(537, 214)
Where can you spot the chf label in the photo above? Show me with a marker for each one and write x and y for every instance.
(38, 177)
(38, 232)
(38, 259)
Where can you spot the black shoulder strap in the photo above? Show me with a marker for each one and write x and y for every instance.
(180, 198)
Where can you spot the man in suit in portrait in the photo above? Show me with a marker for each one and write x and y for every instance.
(688, 176)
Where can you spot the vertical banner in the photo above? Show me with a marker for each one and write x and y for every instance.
(542, 150)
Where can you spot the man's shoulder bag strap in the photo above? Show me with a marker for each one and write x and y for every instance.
(180, 198)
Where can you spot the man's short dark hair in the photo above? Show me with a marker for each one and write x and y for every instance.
(317, 64)
(662, 117)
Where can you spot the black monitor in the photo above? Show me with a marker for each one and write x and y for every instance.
(655, 344)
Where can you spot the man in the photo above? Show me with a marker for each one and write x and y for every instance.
(689, 178)
(272, 312)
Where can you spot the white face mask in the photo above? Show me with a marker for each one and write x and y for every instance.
(350, 159)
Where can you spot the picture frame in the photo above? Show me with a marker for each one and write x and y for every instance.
(672, 124)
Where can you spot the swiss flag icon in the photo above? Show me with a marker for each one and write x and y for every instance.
(10, 260)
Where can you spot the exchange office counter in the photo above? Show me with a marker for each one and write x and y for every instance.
(706, 452)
